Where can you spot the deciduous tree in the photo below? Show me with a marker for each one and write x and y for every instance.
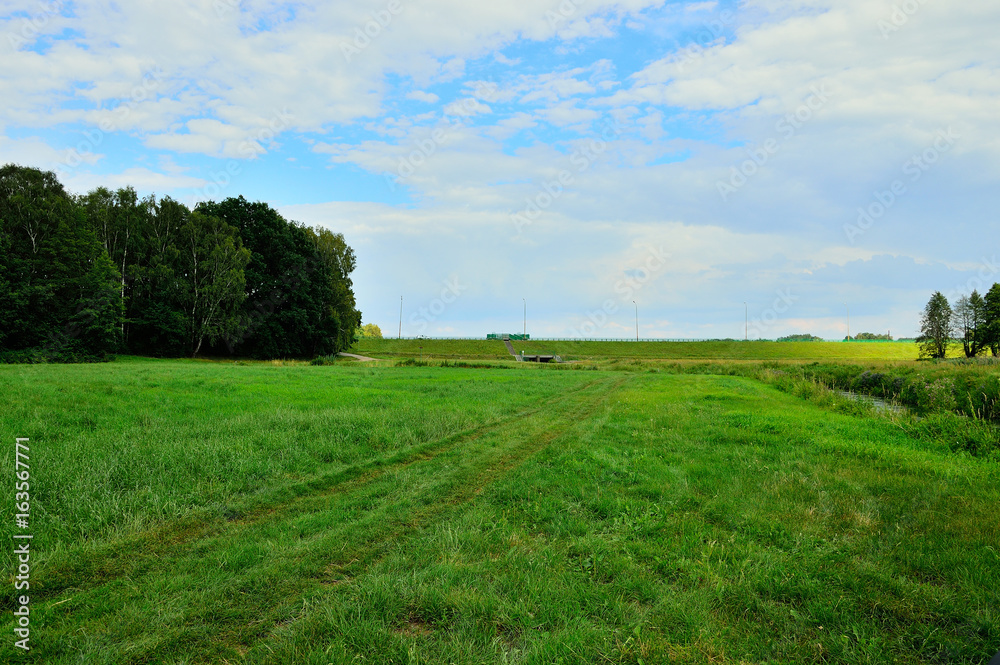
(214, 259)
(970, 323)
(935, 327)
(991, 308)
(54, 272)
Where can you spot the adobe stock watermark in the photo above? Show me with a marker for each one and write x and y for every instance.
(31, 28)
(365, 34)
(564, 12)
(709, 34)
(783, 301)
(915, 167)
(900, 16)
(223, 7)
(987, 275)
(253, 145)
(94, 138)
(760, 155)
(425, 148)
(451, 291)
(22, 552)
(627, 289)
(551, 191)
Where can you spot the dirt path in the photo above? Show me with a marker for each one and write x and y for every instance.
(356, 356)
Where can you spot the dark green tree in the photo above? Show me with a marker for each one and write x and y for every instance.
(970, 323)
(158, 321)
(54, 273)
(96, 325)
(873, 337)
(82, 277)
(116, 219)
(299, 299)
(991, 314)
(213, 260)
(341, 316)
(935, 327)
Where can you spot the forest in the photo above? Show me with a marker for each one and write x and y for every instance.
(84, 277)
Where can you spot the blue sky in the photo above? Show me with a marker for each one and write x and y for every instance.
(804, 157)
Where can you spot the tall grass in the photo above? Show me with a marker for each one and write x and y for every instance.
(969, 389)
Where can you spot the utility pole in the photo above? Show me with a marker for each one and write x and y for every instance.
(400, 336)
(848, 321)
(746, 322)
(525, 331)
(636, 321)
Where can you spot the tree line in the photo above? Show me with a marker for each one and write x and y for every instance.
(973, 321)
(83, 277)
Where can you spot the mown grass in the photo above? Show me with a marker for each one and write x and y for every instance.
(127, 444)
(589, 350)
(451, 515)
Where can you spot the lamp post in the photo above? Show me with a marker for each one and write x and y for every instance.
(525, 330)
(746, 322)
(400, 336)
(636, 321)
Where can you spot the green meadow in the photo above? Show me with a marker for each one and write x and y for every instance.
(216, 512)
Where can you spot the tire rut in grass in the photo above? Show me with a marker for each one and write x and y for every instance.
(444, 479)
(368, 551)
(142, 552)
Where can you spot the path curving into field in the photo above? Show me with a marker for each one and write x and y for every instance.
(356, 357)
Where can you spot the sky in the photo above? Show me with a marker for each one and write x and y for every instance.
(578, 168)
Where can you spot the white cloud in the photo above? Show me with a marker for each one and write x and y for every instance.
(504, 60)
(466, 108)
(142, 179)
(31, 151)
(211, 50)
(687, 119)
(421, 96)
(701, 7)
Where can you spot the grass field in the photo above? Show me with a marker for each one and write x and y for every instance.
(571, 350)
(189, 512)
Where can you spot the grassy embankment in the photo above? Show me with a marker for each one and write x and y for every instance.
(193, 512)
(585, 350)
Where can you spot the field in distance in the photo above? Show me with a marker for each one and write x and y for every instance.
(593, 350)
(192, 512)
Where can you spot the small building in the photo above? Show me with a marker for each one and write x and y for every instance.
(539, 359)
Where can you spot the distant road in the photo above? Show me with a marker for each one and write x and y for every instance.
(356, 356)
